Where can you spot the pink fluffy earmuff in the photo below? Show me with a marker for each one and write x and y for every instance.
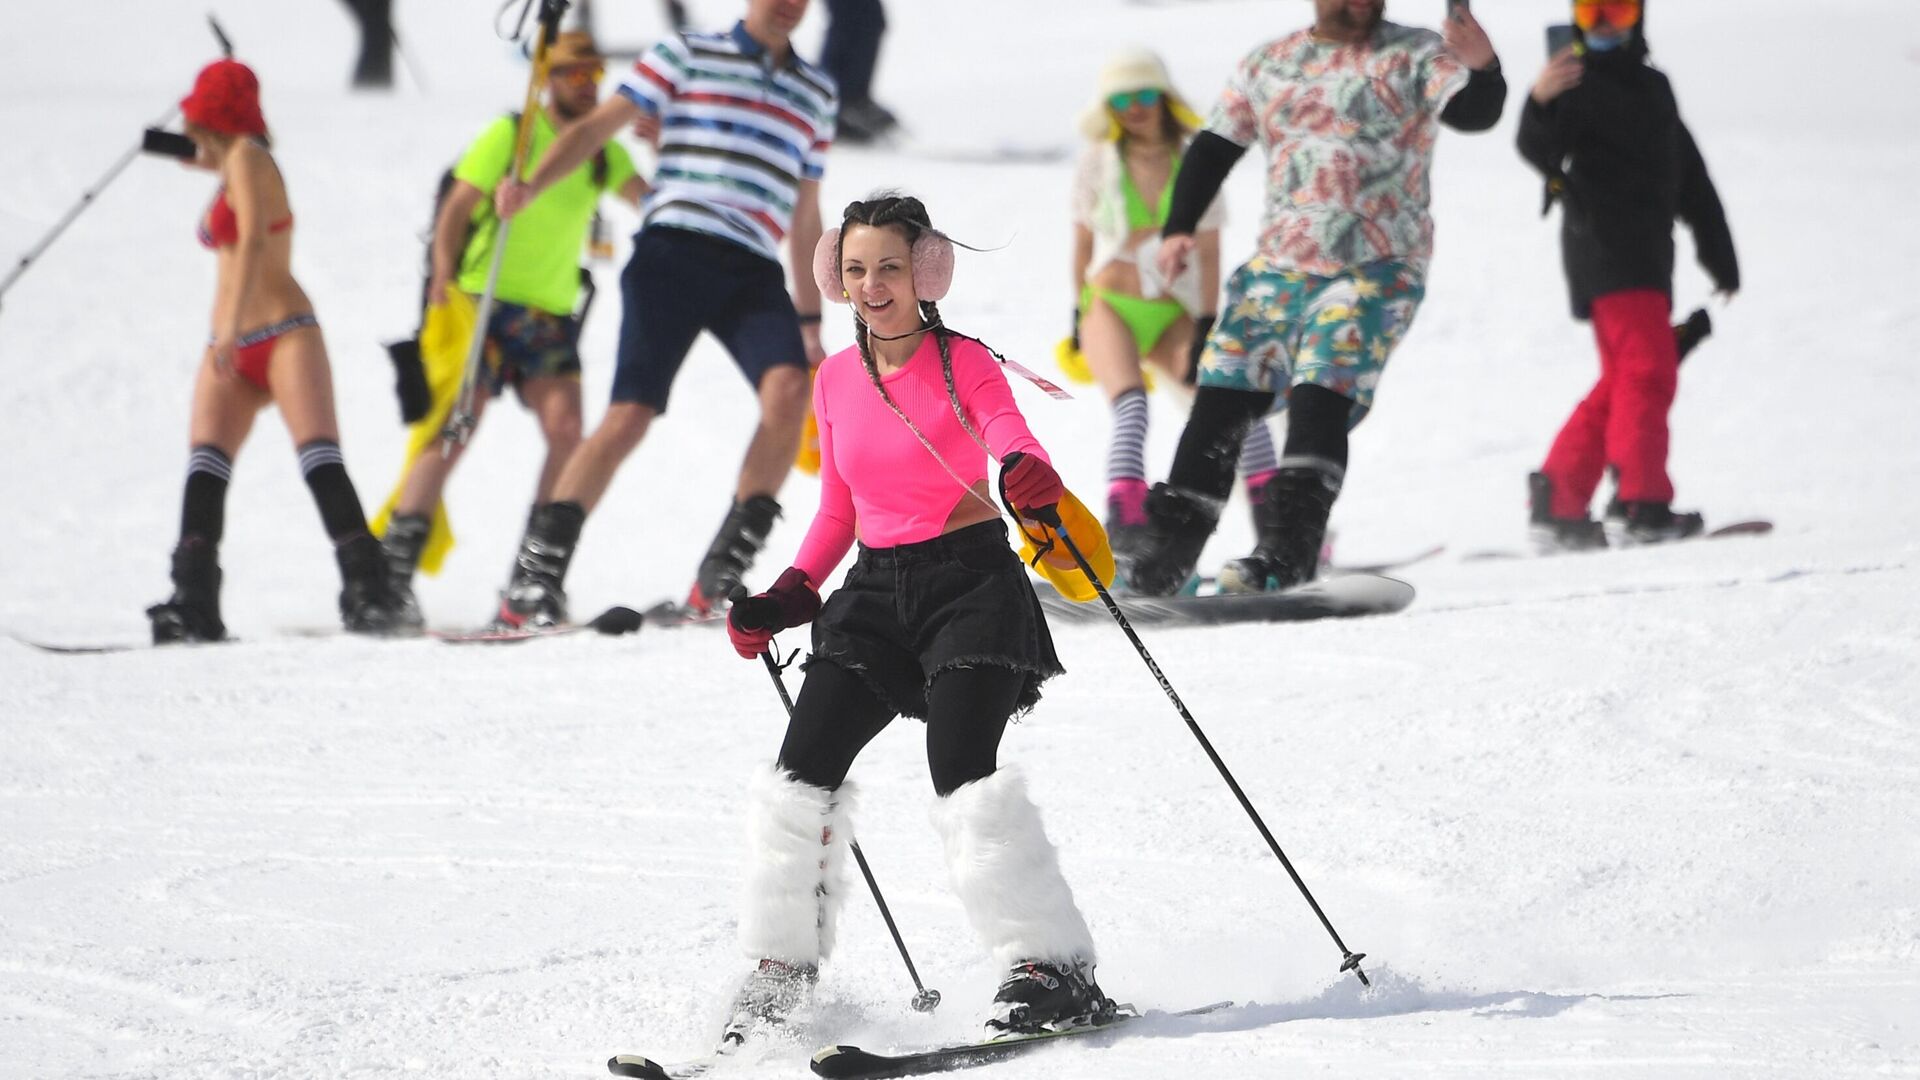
(932, 267)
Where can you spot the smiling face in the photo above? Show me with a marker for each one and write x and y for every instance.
(876, 267)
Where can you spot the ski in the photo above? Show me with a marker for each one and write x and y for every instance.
(853, 1063)
(1749, 527)
(640, 1068)
(1345, 596)
(612, 622)
(671, 613)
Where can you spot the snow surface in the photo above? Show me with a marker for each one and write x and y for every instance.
(1639, 814)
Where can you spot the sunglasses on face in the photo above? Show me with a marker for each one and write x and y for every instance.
(1122, 102)
(580, 74)
(1620, 14)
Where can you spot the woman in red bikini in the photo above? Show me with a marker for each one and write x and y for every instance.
(265, 350)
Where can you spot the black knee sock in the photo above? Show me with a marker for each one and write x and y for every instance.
(1317, 420)
(203, 512)
(326, 473)
(1210, 443)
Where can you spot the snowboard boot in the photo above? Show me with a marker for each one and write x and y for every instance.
(1551, 535)
(1126, 518)
(193, 612)
(534, 596)
(797, 839)
(406, 538)
(1658, 523)
(1008, 878)
(1291, 520)
(1039, 996)
(367, 603)
(732, 552)
(1178, 525)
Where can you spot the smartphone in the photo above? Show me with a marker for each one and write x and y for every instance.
(168, 144)
(1559, 36)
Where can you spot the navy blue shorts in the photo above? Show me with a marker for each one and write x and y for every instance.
(679, 283)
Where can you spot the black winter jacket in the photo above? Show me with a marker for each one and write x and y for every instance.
(1628, 167)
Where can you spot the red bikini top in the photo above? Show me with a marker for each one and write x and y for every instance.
(220, 228)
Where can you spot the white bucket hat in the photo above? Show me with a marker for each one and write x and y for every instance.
(1127, 71)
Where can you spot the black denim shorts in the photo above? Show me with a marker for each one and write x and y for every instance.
(907, 613)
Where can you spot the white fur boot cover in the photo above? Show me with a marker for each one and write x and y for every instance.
(797, 852)
(1008, 877)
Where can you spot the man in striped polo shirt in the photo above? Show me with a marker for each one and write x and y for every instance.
(743, 126)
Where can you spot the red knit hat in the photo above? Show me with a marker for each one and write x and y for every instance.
(225, 98)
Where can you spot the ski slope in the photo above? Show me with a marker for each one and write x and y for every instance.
(1640, 814)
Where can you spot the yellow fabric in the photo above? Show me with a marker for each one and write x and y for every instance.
(444, 340)
(1058, 565)
(808, 459)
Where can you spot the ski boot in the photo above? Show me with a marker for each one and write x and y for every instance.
(534, 597)
(1040, 996)
(732, 552)
(406, 537)
(193, 612)
(772, 1001)
(1178, 525)
(1657, 523)
(1552, 535)
(367, 603)
(1291, 519)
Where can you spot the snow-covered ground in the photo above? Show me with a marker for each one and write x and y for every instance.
(1637, 814)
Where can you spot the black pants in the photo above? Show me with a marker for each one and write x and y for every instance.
(838, 714)
(852, 48)
(1317, 423)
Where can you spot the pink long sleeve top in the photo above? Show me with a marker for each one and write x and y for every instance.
(876, 481)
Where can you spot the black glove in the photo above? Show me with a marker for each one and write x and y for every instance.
(410, 380)
(1202, 330)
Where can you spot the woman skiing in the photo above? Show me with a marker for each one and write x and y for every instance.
(1125, 312)
(265, 350)
(936, 620)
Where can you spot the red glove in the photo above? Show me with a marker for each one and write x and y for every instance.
(1028, 482)
(751, 623)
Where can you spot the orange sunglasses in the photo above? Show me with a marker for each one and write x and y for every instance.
(1620, 14)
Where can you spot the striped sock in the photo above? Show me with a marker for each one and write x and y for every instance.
(203, 511)
(1127, 452)
(326, 473)
(1256, 450)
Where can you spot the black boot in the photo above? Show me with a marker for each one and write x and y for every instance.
(1040, 996)
(367, 604)
(193, 613)
(405, 539)
(1178, 525)
(1556, 534)
(732, 552)
(1658, 522)
(535, 596)
(1291, 520)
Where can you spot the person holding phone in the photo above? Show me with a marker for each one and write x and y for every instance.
(265, 350)
(1346, 114)
(1604, 128)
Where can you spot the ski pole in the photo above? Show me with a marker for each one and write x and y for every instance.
(461, 419)
(924, 1000)
(92, 193)
(1050, 517)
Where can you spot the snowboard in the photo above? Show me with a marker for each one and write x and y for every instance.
(612, 622)
(1345, 596)
(1750, 527)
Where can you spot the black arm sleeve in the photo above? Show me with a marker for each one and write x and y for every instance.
(1700, 208)
(1543, 137)
(1208, 160)
(1478, 104)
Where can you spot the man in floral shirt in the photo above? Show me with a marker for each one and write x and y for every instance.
(1346, 113)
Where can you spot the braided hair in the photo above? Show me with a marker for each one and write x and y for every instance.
(909, 215)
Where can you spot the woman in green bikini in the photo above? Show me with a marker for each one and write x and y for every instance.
(1126, 313)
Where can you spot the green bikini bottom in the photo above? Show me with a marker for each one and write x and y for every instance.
(1146, 319)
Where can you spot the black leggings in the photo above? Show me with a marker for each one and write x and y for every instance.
(1210, 444)
(838, 714)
